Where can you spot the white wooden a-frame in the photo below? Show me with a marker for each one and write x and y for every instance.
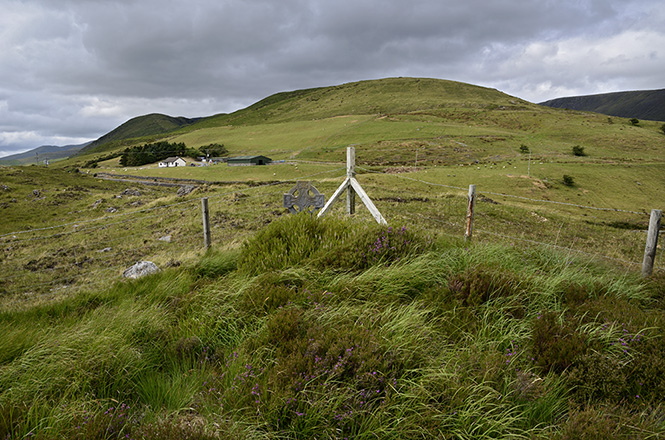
(352, 188)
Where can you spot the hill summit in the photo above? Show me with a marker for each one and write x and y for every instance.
(140, 126)
(389, 95)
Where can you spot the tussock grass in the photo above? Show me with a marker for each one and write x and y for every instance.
(439, 340)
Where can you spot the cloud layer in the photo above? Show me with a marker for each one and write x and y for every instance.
(72, 70)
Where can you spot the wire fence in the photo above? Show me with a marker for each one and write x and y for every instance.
(95, 251)
(637, 239)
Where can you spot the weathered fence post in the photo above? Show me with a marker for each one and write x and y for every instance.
(352, 188)
(469, 212)
(206, 222)
(350, 174)
(652, 242)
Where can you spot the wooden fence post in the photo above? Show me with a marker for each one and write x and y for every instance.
(652, 242)
(350, 174)
(206, 222)
(352, 188)
(469, 213)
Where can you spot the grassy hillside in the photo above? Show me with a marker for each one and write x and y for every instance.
(293, 327)
(392, 95)
(643, 104)
(446, 122)
(140, 127)
(343, 329)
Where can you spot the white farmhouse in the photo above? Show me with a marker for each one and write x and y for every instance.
(172, 162)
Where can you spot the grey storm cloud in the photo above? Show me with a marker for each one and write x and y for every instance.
(71, 70)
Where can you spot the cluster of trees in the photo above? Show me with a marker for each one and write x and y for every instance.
(213, 150)
(154, 152)
(150, 153)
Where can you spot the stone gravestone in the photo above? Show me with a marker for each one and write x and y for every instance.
(304, 197)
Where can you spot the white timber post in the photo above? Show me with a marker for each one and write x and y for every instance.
(350, 174)
(352, 188)
(652, 242)
(206, 222)
(469, 213)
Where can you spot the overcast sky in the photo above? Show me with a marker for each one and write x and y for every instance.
(72, 70)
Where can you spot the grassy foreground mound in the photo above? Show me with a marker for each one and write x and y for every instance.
(339, 329)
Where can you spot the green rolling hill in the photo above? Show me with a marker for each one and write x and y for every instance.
(139, 127)
(446, 122)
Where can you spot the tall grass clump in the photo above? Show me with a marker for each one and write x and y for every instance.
(327, 243)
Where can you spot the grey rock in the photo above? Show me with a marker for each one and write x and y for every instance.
(130, 192)
(185, 189)
(141, 269)
(166, 238)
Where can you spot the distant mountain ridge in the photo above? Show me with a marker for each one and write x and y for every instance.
(641, 104)
(45, 152)
(141, 126)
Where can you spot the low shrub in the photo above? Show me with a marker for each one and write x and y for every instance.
(556, 345)
(574, 294)
(598, 377)
(268, 294)
(578, 151)
(314, 361)
(607, 423)
(113, 422)
(371, 245)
